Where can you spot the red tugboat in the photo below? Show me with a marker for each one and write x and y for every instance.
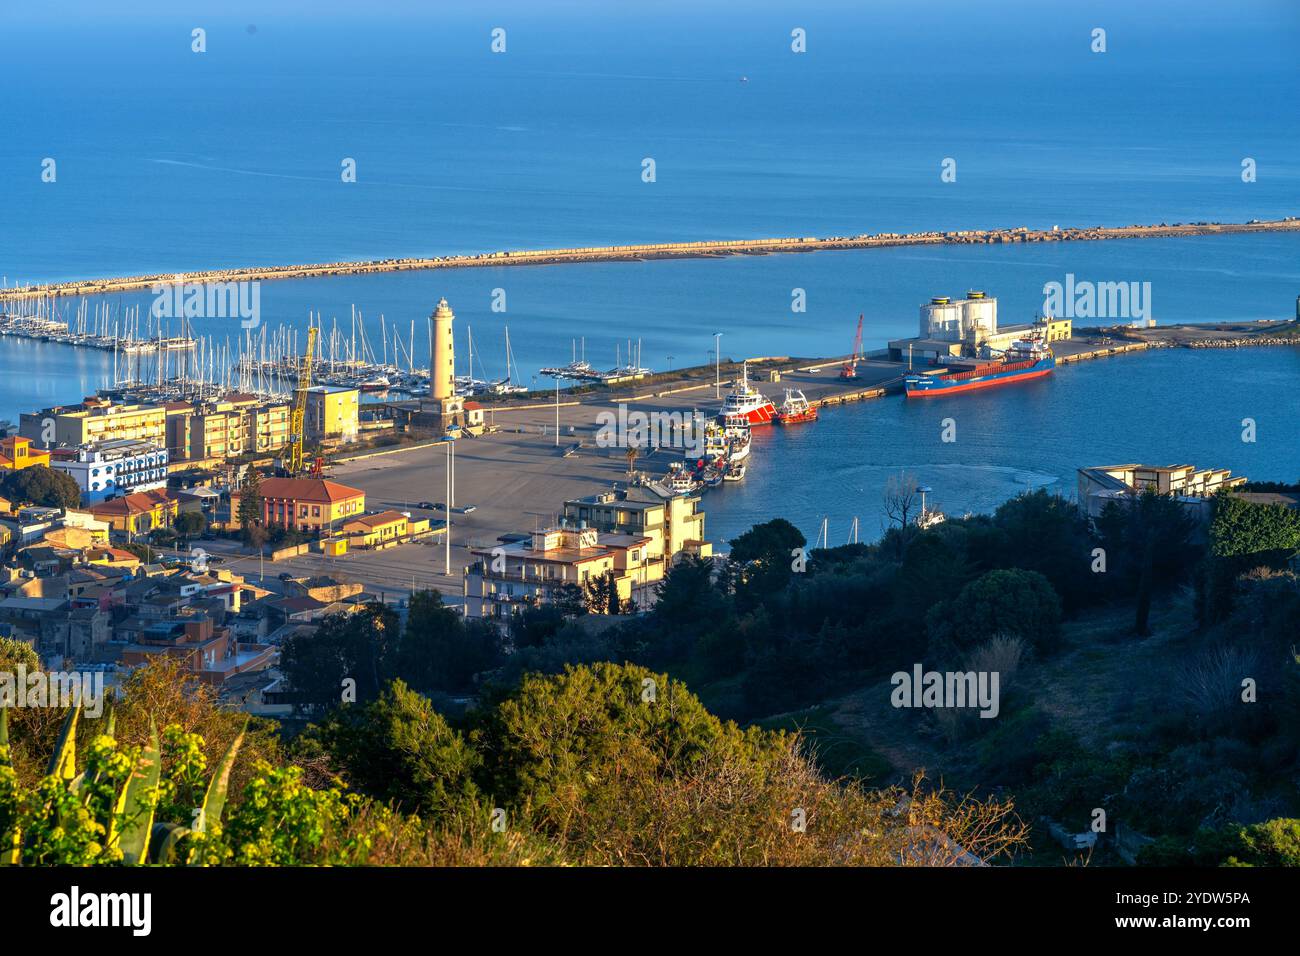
(795, 409)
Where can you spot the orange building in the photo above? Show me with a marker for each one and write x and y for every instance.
(17, 453)
(307, 504)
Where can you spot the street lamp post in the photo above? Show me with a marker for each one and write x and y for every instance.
(717, 365)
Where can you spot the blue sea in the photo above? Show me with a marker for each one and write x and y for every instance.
(169, 160)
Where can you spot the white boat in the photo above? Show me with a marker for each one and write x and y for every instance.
(735, 428)
(748, 402)
(735, 471)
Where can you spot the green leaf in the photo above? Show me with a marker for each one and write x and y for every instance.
(171, 833)
(4, 737)
(10, 855)
(63, 762)
(214, 801)
(141, 797)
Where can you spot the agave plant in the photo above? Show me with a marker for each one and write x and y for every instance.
(130, 830)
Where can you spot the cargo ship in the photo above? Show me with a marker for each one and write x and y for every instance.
(1025, 359)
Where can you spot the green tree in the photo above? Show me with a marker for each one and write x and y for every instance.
(442, 651)
(190, 523)
(358, 647)
(1008, 602)
(40, 485)
(400, 749)
(763, 560)
(1241, 527)
(1148, 539)
(250, 510)
(13, 653)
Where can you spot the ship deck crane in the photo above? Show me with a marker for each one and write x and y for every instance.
(292, 459)
(850, 369)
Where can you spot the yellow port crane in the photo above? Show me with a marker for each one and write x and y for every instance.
(293, 456)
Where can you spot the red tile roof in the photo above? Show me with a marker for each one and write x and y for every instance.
(307, 489)
(139, 503)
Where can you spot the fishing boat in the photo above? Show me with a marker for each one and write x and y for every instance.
(680, 481)
(736, 430)
(795, 408)
(735, 471)
(748, 402)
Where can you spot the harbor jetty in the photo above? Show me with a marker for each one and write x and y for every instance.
(641, 252)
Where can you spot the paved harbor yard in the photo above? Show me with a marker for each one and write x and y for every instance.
(518, 478)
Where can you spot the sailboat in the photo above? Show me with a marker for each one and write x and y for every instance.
(506, 385)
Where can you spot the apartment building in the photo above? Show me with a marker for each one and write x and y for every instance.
(110, 469)
(333, 412)
(675, 526)
(526, 573)
(95, 420)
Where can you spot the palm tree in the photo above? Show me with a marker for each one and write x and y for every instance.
(633, 453)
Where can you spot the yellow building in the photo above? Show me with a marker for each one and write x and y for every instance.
(95, 420)
(139, 513)
(387, 527)
(306, 504)
(333, 412)
(675, 526)
(17, 453)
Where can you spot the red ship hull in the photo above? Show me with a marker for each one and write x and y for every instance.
(808, 416)
(761, 415)
(971, 386)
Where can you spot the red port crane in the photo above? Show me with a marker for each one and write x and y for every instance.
(850, 369)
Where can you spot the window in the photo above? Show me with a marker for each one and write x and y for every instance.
(315, 511)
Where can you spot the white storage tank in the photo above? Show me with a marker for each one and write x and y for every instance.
(941, 319)
(979, 316)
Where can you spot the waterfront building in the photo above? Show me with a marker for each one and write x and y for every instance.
(333, 412)
(519, 574)
(305, 504)
(1101, 484)
(953, 327)
(674, 526)
(16, 453)
(137, 513)
(96, 419)
(109, 469)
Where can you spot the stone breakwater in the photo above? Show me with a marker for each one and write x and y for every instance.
(668, 250)
(1241, 343)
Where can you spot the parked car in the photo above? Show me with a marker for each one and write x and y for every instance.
(428, 505)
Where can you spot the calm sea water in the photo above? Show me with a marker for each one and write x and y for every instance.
(169, 161)
(1172, 406)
